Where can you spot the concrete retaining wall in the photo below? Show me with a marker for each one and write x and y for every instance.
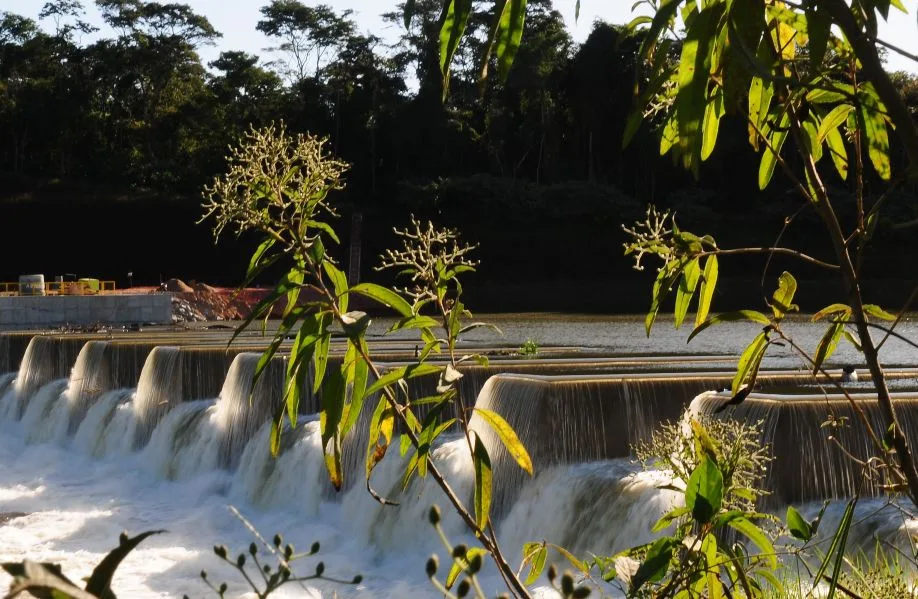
(79, 310)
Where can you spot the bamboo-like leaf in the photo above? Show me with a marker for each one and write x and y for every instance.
(380, 427)
(451, 32)
(402, 372)
(877, 138)
(783, 297)
(837, 547)
(830, 310)
(833, 120)
(747, 367)
(708, 285)
(837, 151)
(750, 315)
(534, 554)
(686, 290)
(461, 564)
(818, 26)
(878, 312)
(332, 408)
(320, 358)
(509, 34)
(482, 484)
(339, 281)
(661, 288)
(669, 517)
(508, 437)
(828, 343)
(773, 150)
(712, 114)
(661, 19)
(417, 321)
(758, 537)
(384, 296)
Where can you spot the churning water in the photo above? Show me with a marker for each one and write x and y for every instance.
(85, 462)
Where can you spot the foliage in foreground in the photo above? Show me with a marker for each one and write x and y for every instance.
(280, 187)
(48, 580)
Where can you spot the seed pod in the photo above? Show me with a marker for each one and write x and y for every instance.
(221, 551)
(320, 568)
(434, 515)
(240, 561)
(459, 551)
(432, 564)
(567, 585)
(463, 589)
(253, 549)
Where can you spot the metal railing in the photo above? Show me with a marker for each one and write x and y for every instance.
(57, 288)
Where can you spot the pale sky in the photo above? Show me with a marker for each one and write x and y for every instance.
(236, 19)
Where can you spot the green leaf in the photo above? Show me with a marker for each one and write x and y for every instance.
(255, 263)
(783, 297)
(818, 26)
(712, 114)
(451, 32)
(748, 365)
(830, 310)
(687, 285)
(836, 117)
(838, 152)
(508, 437)
(704, 491)
(828, 343)
(758, 537)
(669, 517)
(509, 34)
(667, 276)
(661, 19)
(320, 358)
(339, 281)
(402, 372)
(535, 554)
(332, 408)
(413, 322)
(654, 566)
(708, 284)
(750, 315)
(798, 527)
(875, 131)
(482, 484)
(461, 564)
(692, 80)
(384, 296)
(381, 426)
(773, 150)
(839, 540)
(42, 580)
(878, 312)
(100, 581)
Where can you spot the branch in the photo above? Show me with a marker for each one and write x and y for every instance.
(774, 250)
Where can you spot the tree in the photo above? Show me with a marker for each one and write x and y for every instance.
(308, 34)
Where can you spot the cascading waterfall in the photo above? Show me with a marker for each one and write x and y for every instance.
(807, 464)
(109, 426)
(158, 391)
(91, 377)
(47, 416)
(585, 494)
(39, 367)
(242, 409)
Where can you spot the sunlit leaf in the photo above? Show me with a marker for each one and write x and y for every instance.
(708, 285)
(739, 315)
(508, 437)
(482, 498)
(704, 491)
(797, 526)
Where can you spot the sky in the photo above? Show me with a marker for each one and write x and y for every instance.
(236, 19)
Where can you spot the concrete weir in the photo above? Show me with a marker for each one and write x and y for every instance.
(21, 312)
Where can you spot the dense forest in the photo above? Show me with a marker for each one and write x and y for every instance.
(105, 146)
